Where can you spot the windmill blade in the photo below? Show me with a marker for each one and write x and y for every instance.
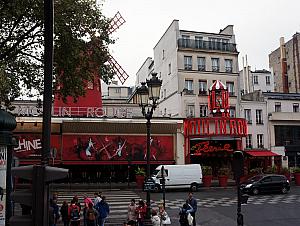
(116, 22)
(119, 71)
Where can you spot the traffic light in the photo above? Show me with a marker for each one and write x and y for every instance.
(238, 164)
(36, 198)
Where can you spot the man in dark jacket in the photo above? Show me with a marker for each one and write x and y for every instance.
(193, 203)
(103, 211)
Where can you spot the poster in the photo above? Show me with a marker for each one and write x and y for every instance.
(116, 148)
(3, 165)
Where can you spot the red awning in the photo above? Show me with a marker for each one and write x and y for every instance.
(258, 153)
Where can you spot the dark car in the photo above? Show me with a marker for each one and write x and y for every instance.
(266, 183)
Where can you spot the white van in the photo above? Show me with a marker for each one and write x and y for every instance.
(179, 176)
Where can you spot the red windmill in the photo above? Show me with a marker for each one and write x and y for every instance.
(218, 99)
(91, 104)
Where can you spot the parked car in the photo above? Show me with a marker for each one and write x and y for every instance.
(266, 183)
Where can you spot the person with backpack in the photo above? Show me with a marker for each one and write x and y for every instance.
(64, 213)
(103, 210)
(183, 214)
(74, 214)
(91, 215)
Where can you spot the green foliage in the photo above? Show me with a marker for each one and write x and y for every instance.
(206, 170)
(285, 170)
(223, 171)
(297, 170)
(140, 171)
(271, 170)
(256, 171)
(81, 42)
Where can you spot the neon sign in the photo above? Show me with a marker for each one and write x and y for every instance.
(206, 147)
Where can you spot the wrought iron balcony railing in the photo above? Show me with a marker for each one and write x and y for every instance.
(206, 45)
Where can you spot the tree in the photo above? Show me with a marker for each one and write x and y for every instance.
(81, 42)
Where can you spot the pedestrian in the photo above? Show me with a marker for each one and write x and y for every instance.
(64, 213)
(103, 211)
(165, 219)
(51, 215)
(55, 207)
(97, 198)
(86, 202)
(74, 214)
(91, 215)
(155, 218)
(77, 203)
(193, 203)
(131, 215)
(141, 212)
(183, 214)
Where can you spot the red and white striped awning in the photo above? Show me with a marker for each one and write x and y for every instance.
(217, 85)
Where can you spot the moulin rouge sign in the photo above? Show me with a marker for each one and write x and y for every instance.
(215, 127)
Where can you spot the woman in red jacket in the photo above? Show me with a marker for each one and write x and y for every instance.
(141, 213)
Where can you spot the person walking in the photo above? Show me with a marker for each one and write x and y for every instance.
(91, 215)
(193, 203)
(131, 214)
(64, 213)
(141, 212)
(165, 219)
(97, 198)
(183, 214)
(55, 207)
(155, 218)
(103, 209)
(86, 202)
(74, 214)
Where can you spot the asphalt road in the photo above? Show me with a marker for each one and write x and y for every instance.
(217, 207)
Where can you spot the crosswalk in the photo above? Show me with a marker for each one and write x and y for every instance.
(118, 201)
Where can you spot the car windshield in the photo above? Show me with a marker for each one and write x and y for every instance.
(255, 178)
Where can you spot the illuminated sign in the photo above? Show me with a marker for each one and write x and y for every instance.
(200, 147)
(215, 127)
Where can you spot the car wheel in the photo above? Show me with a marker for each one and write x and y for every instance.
(284, 190)
(255, 191)
(194, 187)
(156, 188)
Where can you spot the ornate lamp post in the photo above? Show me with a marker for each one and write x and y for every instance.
(147, 100)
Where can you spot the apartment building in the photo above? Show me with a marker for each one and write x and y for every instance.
(189, 62)
(285, 63)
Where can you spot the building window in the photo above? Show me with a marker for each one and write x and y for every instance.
(259, 117)
(268, 80)
(249, 141)
(201, 63)
(215, 64)
(232, 112)
(90, 85)
(228, 65)
(190, 111)
(255, 79)
(163, 54)
(118, 90)
(277, 107)
(165, 93)
(248, 115)
(295, 107)
(199, 42)
(230, 87)
(202, 87)
(203, 110)
(185, 41)
(189, 86)
(187, 62)
(169, 68)
(260, 141)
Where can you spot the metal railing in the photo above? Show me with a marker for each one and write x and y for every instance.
(206, 45)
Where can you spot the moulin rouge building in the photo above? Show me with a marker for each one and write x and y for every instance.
(101, 142)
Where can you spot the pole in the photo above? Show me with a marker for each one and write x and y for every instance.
(240, 219)
(163, 186)
(48, 67)
(148, 124)
(8, 203)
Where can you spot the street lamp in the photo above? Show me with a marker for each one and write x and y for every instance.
(147, 99)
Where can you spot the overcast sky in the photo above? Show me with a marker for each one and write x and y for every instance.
(258, 25)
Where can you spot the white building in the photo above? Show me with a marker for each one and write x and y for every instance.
(189, 62)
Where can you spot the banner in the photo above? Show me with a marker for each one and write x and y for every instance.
(114, 148)
(30, 146)
(3, 166)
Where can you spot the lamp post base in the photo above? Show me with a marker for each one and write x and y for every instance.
(148, 222)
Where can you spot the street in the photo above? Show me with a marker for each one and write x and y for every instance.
(217, 207)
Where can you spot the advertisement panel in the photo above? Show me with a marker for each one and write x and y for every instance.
(30, 146)
(113, 147)
(3, 166)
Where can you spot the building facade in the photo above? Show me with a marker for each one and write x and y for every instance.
(285, 64)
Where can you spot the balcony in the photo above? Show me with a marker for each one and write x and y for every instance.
(231, 94)
(215, 68)
(188, 92)
(188, 67)
(259, 122)
(228, 69)
(202, 92)
(206, 45)
(201, 67)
